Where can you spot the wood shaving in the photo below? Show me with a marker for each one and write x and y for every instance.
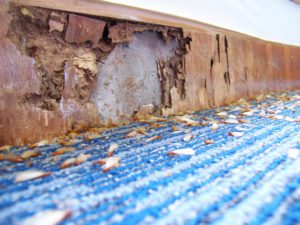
(111, 149)
(68, 162)
(174, 128)
(11, 157)
(223, 113)
(153, 138)
(90, 136)
(214, 126)
(236, 134)
(49, 217)
(234, 121)
(184, 151)
(109, 163)
(293, 153)
(30, 154)
(209, 142)
(39, 144)
(188, 137)
(63, 150)
(30, 175)
(185, 119)
(82, 158)
(133, 133)
(5, 148)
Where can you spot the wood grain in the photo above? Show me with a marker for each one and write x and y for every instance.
(221, 67)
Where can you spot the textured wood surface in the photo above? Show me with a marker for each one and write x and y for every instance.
(254, 67)
(221, 67)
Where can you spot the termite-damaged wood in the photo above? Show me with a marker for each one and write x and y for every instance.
(81, 29)
(47, 77)
(227, 68)
(48, 93)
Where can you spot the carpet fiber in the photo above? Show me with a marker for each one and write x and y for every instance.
(249, 177)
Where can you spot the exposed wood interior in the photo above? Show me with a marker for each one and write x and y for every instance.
(220, 67)
(118, 11)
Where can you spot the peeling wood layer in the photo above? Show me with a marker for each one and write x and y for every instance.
(50, 63)
(221, 69)
(60, 55)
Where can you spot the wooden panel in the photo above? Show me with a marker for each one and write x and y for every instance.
(220, 67)
(255, 68)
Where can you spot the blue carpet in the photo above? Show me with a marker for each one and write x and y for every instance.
(236, 180)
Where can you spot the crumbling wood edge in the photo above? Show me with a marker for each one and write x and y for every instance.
(219, 68)
(123, 12)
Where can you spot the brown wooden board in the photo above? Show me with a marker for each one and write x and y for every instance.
(221, 67)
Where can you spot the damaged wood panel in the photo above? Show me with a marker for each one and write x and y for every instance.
(29, 109)
(81, 29)
(50, 60)
(59, 76)
(254, 68)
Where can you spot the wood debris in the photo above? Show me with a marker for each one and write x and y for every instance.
(188, 137)
(141, 130)
(209, 142)
(242, 102)
(90, 136)
(183, 151)
(39, 144)
(67, 142)
(26, 12)
(288, 119)
(262, 113)
(174, 128)
(153, 138)
(109, 163)
(56, 22)
(278, 117)
(63, 150)
(293, 153)
(244, 121)
(228, 121)
(5, 148)
(145, 112)
(81, 29)
(222, 114)
(111, 149)
(68, 162)
(82, 158)
(249, 113)
(133, 133)
(185, 119)
(297, 119)
(236, 134)
(30, 175)
(49, 217)
(11, 157)
(157, 119)
(30, 153)
(75, 161)
(156, 125)
(214, 126)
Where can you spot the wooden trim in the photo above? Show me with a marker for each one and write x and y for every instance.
(124, 12)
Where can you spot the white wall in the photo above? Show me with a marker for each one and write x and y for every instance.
(273, 20)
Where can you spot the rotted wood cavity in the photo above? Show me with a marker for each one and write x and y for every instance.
(68, 47)
(226, 73)
(48, 37)
(172, 71)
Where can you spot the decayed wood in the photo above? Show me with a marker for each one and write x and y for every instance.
(81, 29)
(23, 123)
(220, 67)
(118, 11)
(254, 68)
